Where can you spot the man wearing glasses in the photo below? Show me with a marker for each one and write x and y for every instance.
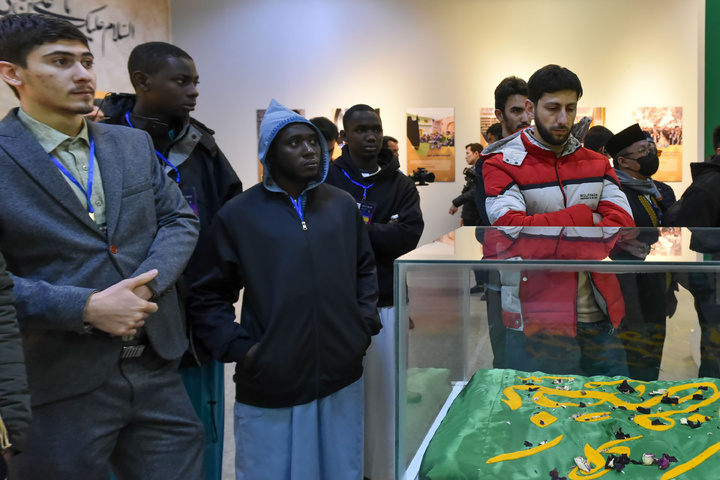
(635, 158)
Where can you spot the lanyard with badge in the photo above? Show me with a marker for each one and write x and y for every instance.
(367, 209)
(188, 192)
(91, 170)
(160, 155)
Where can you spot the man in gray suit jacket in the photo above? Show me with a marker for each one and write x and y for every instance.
(95, 236)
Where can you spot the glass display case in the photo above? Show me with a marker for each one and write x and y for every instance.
(590, 302)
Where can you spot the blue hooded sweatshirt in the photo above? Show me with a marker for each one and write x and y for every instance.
(310, 299)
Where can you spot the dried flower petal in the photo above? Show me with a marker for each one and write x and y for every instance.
(625, 387)
(583, 464)
(648, 458)
(554, 475)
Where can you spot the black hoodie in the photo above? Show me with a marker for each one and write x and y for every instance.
(206, 175)
(700, 204)
(393, 193)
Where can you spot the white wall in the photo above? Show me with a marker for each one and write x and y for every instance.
(394, 54)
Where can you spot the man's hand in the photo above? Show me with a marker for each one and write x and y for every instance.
(121, 308)
(250, 356)
(453, 210)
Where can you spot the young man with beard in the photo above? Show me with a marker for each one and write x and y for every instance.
(390, 205)
(510, 97)
(298, 248)
(96, 237)
(541, 176)
(165, 81)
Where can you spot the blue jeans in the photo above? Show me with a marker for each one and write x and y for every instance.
(596, 350)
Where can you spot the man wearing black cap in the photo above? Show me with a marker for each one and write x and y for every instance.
(635, 160)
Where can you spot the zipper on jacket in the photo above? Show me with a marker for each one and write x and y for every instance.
(298, 208)
(562, 189)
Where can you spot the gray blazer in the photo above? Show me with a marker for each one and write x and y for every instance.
(58, 256)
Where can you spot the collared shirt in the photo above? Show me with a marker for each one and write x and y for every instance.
(73, 153)
(182, 145)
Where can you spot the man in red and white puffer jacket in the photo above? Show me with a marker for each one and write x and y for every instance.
(541, 176)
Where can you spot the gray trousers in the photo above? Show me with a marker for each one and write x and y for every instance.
(140, 422)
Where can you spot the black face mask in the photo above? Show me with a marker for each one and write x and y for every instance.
(649, 164)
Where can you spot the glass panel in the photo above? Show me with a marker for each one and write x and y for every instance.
(566, 301)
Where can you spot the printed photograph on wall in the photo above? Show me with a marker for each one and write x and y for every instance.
(431, 142)
(597, 114)
(487, 118)
(664, 124)
(259, 114)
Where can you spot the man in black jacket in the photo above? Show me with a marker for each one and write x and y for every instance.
(390, 206)
(699, 206)
(466, 199)
(299, 250)
(165, 82)
(635, 159)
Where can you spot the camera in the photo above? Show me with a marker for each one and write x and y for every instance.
(422, 177)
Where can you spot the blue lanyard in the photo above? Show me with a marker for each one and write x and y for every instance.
(91, 171)
(365, 188)
(160, 155)
(298, 207)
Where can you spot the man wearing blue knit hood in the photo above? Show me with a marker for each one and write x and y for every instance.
(300, 250)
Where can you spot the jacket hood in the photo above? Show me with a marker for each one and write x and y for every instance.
(387, 162)
(114, 105)
(514, 150)
(698, 169)
(276, 118)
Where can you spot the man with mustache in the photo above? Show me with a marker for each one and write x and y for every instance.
(510, 96)
(541, 176)
(165, 81)
(95, 236)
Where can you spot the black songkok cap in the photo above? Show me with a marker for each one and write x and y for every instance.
(622, 140)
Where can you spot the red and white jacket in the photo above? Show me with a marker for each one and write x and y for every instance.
(528, 185)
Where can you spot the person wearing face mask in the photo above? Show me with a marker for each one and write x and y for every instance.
(649, 297)
(635, 160)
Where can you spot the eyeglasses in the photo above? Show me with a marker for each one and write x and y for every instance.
(642, 151)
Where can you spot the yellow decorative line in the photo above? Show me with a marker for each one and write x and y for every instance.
(543, 419)
(594, 417)
(680, 469)
(525, 453)
(541, 396)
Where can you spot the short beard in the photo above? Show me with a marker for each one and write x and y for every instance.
(548, 137)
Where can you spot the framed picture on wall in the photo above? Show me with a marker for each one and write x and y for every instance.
(431, 141)
(665, 126)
